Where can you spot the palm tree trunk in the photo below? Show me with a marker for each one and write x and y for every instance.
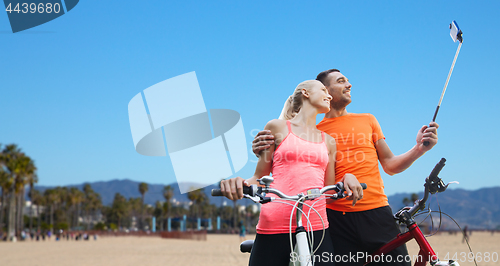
(21, 211)
(31, 208)
(31, 216)
(87, 219)
(11, 215)
(142, 213)
(77, 214)
(16, 214)
(39, 217)
(235, 214)
(51, 218)
(2, 208)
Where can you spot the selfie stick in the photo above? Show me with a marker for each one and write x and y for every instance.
(456, 35)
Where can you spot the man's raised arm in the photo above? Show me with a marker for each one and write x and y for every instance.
(393, 164)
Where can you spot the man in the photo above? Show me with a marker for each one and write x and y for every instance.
(360, 145)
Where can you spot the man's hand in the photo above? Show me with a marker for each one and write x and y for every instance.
(427, 134)
(262, 141)
(353, 188)
(233, 188)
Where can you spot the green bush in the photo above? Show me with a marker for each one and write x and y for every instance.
(100, 226)
(45, 226)
(113, 226)
(63, 226)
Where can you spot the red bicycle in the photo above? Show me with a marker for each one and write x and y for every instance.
(433, 184)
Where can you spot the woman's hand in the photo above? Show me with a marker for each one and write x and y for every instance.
(233, 188)
(353, 188)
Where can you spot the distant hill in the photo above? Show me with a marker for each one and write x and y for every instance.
(475, 208)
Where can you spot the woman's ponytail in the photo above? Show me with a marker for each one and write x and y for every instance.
(287, 112)
(294, 102)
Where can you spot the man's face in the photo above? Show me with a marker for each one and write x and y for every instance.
(340, 90)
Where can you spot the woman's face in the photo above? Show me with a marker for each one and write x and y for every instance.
(319, 97)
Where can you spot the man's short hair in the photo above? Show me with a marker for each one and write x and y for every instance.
(322, 77)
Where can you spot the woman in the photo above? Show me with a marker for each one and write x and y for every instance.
(301, 158)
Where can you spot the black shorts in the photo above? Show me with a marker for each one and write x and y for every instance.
(275, 250)
(365, 232)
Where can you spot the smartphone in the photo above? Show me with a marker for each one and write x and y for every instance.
(455, 32)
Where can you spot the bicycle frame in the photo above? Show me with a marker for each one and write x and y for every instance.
(433, 184)
(425, 254)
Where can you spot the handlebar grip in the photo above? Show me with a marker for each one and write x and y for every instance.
(363, 185)
(216, 192)
(439, 166)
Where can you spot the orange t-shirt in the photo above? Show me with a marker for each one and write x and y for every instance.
(356, 135)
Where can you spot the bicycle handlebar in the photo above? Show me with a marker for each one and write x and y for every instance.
(433, 184)
(254, 190)
(216, 192)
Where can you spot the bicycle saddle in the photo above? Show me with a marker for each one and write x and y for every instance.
(246, 246)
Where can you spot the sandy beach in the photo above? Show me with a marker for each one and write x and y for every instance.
(218, 250)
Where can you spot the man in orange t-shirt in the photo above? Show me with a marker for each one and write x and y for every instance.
(369, 224)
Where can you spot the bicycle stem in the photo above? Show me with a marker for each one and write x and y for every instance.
(298, 213)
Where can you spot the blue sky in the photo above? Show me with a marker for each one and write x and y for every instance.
(65, 85)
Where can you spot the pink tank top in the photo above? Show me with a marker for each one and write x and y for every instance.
(298, 165)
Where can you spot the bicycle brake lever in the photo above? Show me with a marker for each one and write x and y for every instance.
(255, 199)
(441, 189)
(337, 196)
(435, 185)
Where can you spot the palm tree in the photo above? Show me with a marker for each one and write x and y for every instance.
(135, 208)
(32, 190)
(143, 188)
(75, 198)
(52, 198)
(88, 203)
(168, 194)
(414, 197)
(158, 212)
(92, 202)
(118, 209)
(406, 201)
(27, 175)
(409, 201)
(4, 177)
(20, 171)
(199, 198)
(38, 200)
(4, 185)
(10, 158)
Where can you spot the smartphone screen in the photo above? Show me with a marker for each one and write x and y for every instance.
(455, 31)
